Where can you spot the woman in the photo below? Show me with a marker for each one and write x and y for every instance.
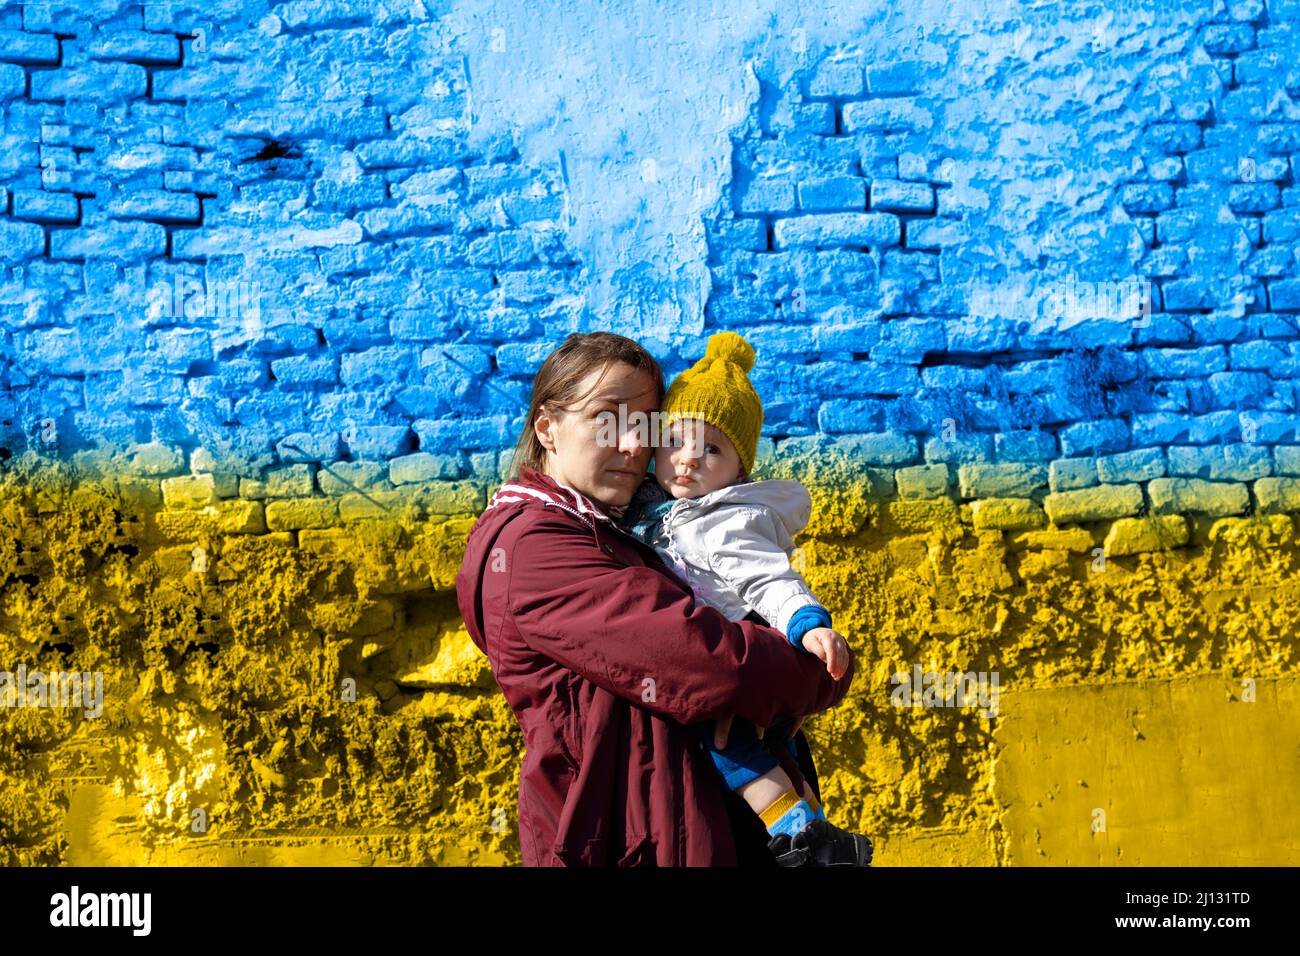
(602, 653)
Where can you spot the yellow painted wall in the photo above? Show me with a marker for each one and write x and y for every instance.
(225, 626)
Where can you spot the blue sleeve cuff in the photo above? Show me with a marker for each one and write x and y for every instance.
(804, 620)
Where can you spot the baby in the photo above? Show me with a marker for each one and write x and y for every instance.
(731, 538)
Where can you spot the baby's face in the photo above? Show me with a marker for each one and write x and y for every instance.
(695, 458)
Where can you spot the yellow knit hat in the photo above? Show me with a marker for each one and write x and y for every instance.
(717, 390)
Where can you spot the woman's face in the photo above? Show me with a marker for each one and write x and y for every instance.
(596, 447)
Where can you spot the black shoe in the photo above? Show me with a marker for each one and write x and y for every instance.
(821, 843)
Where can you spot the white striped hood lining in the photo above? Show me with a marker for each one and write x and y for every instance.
(567, 498)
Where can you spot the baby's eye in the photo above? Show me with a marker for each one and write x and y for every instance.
(712, 450)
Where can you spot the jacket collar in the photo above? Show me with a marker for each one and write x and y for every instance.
(787, 499)
(533, 485)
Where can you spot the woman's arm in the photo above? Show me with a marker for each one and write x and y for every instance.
(637, 633)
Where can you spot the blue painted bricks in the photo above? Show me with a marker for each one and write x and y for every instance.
(284, 233)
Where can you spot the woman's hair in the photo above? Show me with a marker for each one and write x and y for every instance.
(557, 381)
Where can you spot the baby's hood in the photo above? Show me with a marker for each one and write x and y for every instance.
(788, 500)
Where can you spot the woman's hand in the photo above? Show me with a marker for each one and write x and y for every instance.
(830, 647)
(721, 731)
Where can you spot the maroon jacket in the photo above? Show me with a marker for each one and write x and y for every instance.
(605, 659)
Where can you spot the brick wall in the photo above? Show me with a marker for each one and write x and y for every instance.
(1022, 282)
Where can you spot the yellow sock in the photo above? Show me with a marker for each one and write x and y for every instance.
(778, 807)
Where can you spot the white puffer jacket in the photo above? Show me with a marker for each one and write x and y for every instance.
(733, 546)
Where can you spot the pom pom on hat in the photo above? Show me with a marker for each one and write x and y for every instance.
(730, 347)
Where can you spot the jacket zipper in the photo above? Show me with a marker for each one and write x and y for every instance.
(581, 517)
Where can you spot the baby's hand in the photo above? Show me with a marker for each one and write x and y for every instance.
(830, 646)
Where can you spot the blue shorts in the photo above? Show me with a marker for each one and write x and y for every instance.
(746, 757)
